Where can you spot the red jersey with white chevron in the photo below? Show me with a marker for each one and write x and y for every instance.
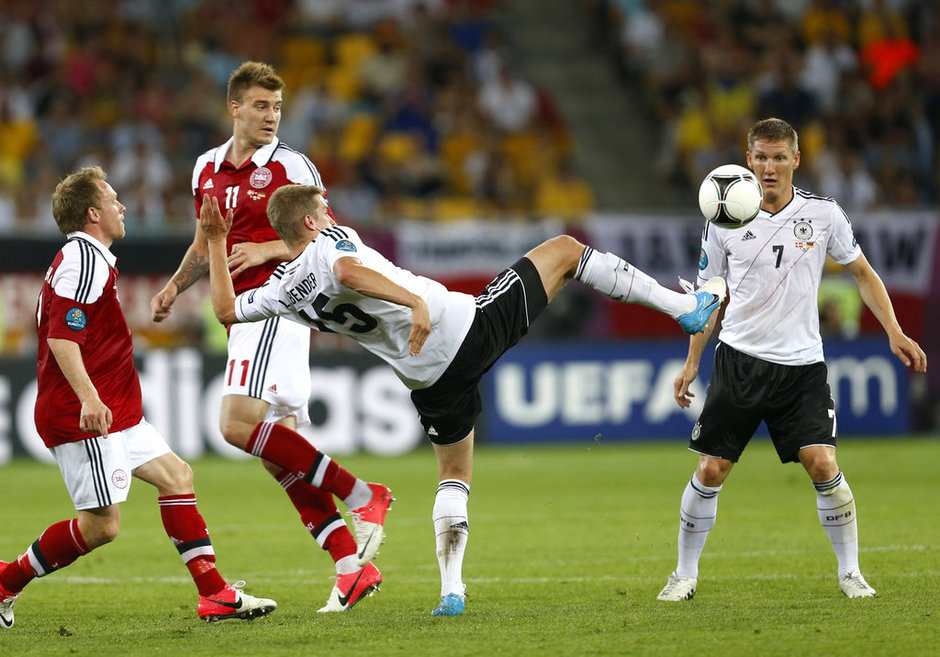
(79, 302)
(245, 189)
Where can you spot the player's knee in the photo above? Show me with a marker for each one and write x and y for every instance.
(568, 249)
(235, 432)
(273, 468)
(820, 464)
(822, 468)
(109, 532)
(181, 477)
(100, 532)
(713, 472)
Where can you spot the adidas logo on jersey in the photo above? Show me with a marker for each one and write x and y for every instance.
(208, 184)
(748, 236)
(272, 388)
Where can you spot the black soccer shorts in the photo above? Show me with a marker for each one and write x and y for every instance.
(793, 400)
(506, 308)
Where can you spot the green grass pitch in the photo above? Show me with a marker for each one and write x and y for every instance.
(568, 548)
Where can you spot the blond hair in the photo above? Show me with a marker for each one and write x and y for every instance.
(287, 206)
(252, 74)
(74, 195)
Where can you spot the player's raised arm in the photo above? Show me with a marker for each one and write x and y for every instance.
(216, 227)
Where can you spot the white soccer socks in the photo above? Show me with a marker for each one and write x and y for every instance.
(610, 275)
(451, 529)
(697, 514)
(836, 507)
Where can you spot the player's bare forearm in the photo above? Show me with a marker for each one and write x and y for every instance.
(698, 341)
(220, 283)
(689, 370)
(366, 281)
(875, 295)
(95, 416)
(215, 227)
(194, 266)
(195, 263)
(68, 356)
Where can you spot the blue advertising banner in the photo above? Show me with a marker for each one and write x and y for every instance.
(624, 390)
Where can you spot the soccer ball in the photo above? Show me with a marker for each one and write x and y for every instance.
(730, 196)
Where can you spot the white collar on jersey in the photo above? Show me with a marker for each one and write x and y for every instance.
(261, 157)
(105, 251)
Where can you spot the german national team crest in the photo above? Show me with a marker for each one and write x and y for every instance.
(803, 231)
(261, 177)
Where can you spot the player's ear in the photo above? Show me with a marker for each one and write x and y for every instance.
(796, 160)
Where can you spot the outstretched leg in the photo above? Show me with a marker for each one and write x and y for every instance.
(562, 258)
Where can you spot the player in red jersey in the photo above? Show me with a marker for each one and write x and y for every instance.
(88, 412)
(267, 378)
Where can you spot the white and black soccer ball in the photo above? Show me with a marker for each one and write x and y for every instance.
(730, 196)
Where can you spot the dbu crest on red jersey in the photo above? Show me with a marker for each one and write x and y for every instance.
(261, 177)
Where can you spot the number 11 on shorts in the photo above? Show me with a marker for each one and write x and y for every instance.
(244, 368)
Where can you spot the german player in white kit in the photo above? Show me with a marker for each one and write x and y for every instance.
(439, 342)
(769, 362)
(267, 378)
(89, 413)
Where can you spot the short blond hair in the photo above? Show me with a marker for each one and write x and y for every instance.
(74, 195)
(252, 74)
(287, 206)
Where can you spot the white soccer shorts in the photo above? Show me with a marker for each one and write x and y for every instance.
(97, 471)
(270, 361)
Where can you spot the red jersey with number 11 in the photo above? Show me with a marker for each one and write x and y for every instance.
(245, 189)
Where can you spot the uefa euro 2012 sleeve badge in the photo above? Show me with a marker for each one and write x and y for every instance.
(76, 319)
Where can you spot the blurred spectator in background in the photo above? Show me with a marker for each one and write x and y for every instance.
(866, 71)
(71, 74)
(564, 195)
(137, 87)
(508, 101)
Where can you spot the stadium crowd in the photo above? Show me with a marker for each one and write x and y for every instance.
(409, 108)
(859, 80)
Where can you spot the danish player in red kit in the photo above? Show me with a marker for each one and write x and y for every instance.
(89, 413)
(267, 380)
